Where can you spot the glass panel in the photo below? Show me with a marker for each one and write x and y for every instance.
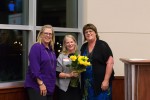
(58, 44)
(58, 13)
(13, 55)
(12, 12)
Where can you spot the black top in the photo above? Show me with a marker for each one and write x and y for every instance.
(100, 55)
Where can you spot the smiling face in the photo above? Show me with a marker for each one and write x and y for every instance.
(90, 35)
(70, 45)
(46, 36)
(90, 32)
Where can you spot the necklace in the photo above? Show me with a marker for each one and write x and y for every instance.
(51, 60)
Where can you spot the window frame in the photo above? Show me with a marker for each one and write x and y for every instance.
(32, 28)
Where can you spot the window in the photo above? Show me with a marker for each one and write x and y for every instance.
(13, 50)
(12, 12)
(58, 13)
(19, 26)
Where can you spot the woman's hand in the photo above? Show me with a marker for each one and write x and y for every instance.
(71, 74)
(74, 74)
(43, 90)
(105, 85)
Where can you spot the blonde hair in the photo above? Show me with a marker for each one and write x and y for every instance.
(64, 48)
(53, 35)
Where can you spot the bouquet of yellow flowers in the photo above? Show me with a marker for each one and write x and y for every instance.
(79, 64)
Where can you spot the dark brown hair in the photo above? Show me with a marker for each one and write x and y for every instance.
(90, 26)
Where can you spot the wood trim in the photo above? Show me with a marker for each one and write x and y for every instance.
(9, 85)
(135, 61)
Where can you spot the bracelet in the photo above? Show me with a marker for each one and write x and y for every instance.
(41, 84)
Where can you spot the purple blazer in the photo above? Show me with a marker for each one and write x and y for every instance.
(42, 65)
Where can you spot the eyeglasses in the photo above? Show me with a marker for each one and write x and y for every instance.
(90, 31)
(46, 33)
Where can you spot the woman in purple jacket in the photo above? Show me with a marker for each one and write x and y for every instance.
(41, 73)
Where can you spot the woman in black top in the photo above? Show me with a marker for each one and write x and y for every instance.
(97, 80)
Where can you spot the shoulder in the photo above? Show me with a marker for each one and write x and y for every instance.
(36, 45)
(104, 46)
(101, 42)
(84, 46)
(61, 55)
(35, 49)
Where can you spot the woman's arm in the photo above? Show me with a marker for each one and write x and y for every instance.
(109, 69)
(59, 69)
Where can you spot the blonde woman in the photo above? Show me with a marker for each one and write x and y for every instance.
(41, 73)
(64, 74)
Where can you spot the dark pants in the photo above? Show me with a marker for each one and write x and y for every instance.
(71, 94)
(34, 95)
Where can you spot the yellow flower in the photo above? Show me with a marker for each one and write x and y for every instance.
(78, 64)
(88, 63)
(73, 58)
(80, 58)
(81, 62)
(86, 58)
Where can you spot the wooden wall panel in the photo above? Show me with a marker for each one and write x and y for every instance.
(18, 92)
(118, 92)
(143, 80)
(13, 94)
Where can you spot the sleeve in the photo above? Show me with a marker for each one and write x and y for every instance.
(34, 59)
(59, 67)
(57, 74)
(107, 51)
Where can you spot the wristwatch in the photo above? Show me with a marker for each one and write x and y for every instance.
(41, 83)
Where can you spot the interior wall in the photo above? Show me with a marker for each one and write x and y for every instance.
(127, 45)
(124, 25)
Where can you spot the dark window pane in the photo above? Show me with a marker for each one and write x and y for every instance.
(13, 51)
(58, 44)
(58, 13)
(12, 12)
